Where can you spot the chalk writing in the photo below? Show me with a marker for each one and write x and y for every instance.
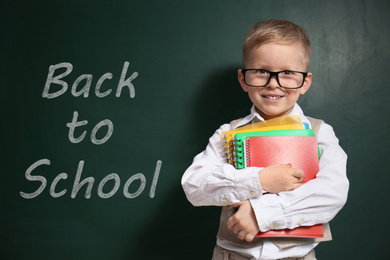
(75, 123)
(89, 182)
(84, 91)
(85, 81)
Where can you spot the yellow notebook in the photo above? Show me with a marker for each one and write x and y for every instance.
(281, 123)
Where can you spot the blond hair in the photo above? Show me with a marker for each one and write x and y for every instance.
(276, 31)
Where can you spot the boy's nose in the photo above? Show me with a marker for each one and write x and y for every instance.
(273, 83)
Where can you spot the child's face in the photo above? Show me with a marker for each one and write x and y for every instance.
(272, 100)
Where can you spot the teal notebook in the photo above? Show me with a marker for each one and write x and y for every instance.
(239, 139)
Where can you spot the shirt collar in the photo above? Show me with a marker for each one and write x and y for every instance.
(254, 116)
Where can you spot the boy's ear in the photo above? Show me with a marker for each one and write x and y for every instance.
(241, 80)
(306, 84)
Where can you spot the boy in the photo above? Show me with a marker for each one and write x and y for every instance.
(276, 57)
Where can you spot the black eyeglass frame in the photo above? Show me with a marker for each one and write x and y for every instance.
(276, 74)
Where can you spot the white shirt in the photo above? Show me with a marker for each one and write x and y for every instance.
(211, 181)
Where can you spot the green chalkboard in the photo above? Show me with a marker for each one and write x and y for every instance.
(104, 104)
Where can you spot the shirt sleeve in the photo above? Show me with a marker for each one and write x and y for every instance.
(318, 200)
(211, 181)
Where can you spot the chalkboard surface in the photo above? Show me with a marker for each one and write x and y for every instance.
(104, 104)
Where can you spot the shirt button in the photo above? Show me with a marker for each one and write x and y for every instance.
(301, 221)
(225, 201)
(253, 193)
(270, 226)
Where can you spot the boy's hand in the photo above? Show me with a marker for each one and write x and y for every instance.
(243, 222)
(280, 177)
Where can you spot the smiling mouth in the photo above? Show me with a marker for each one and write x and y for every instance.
(273, 97)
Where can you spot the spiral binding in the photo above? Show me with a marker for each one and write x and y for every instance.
(229, 150)
(247, 153)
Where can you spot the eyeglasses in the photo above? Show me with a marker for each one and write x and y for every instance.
(286, 78)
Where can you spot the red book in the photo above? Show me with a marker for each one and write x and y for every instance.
(301, 152)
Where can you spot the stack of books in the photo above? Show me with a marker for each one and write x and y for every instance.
(283, 140)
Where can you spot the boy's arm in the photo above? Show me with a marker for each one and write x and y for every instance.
(210, 180)
(273, 178)
(317, 201)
